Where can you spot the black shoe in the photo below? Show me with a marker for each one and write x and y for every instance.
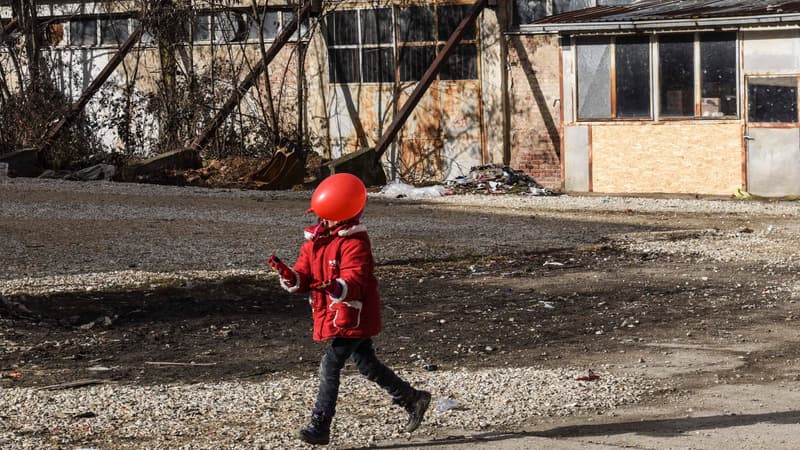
(318, 431)
(416, 409)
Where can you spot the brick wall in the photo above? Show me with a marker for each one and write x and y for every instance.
(534, 90)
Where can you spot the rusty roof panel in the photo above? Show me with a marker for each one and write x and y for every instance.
(645, 10)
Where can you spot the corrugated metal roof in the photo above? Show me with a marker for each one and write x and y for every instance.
(644, 10)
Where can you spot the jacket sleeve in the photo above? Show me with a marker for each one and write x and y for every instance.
(302, 269)
(355, 268)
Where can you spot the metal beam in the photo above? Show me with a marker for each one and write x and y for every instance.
(76, 108)
(427, 78)
(241, 90)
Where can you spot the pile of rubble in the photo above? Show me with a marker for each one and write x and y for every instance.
(496, 179)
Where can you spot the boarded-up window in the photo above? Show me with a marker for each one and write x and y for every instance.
(83, 32)
(113, 31)
(632, 66)
(772, 100)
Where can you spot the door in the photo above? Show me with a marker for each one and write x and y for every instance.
(773, 136)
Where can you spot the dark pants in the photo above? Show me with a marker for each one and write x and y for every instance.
(337, 353)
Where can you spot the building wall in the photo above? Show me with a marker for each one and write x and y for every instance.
(681, 157)
(534, 105)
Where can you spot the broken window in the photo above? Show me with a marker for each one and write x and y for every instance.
(265, 26)
(633, 76)
(113, 31)
(230, 26)
(772, 100)
(718, 77)
(676, 53)
(83, 32)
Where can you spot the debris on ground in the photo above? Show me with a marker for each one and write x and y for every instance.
(497, 179)
(402, 190)
(589, 376)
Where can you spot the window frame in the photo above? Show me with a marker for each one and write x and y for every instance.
(751, 124)
(613, 100)
(397, 44)
(654, 78)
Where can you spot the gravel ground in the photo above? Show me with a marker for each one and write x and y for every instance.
(266, 414)
(159, 250)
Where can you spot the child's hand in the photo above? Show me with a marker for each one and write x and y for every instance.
(331, 287)
(283, 270)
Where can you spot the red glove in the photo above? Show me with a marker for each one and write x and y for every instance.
(283, 270)
(330, 287)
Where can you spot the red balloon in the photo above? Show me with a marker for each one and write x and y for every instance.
(339, 197)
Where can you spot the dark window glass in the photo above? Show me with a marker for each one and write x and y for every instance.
(415, 24)
(633, 76)
(83, 32)
(202, 28)
(378, 65)
(676, 69)
(270, 24)
(343, 65)
(113, 31)
(230, 27)
(376, 26)
(772, 100)
(414, 61)
(594, 78)
(448, 19)
(462, 64)
(527, 11)
(718, 74)
(342, 28)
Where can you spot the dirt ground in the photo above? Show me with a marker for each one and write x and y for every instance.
(720, 328)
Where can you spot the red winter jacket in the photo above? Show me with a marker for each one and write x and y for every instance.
(345, 255)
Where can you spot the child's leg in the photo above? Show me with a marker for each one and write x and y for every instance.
(369, 366)
(414, 401)
(329, 370)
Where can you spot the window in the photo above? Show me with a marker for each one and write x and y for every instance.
(266, 25)
(83, 32)
(113, 31)
(226, 26)
(716, 80)
(619, 65)
(676, 63)
(362, 48)
(697, 76)
(632, 62)
(718, 74)
(772, 100)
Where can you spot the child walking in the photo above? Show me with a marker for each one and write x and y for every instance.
(335, 268)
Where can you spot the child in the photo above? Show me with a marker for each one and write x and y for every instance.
(335, 268)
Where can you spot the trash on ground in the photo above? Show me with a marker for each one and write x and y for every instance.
(403, 190)
(590, 376)
(446, 404)
(497, 179)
